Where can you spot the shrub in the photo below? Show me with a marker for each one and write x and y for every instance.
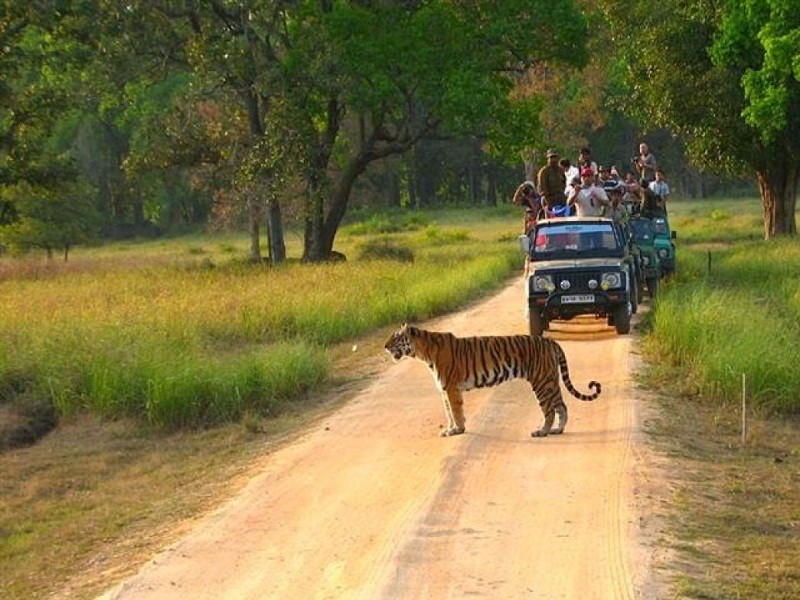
(384, 249)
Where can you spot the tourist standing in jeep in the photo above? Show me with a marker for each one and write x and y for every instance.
(646, 164)
(551, 181)
(588, 198)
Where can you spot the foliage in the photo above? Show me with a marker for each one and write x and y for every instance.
(731, 310)
(763, 38)
(740, 59)
(47, 219)
(384, 248)
(387, 222)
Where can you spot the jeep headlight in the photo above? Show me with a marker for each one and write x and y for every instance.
(543, 283)
(611, 280)
(663, 252)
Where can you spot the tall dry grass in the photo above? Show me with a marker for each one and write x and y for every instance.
(189, 334)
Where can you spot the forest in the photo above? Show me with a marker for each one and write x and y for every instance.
(147, 117)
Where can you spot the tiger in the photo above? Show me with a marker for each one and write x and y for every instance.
(463, 363)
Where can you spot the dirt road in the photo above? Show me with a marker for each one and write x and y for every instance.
(373, 504)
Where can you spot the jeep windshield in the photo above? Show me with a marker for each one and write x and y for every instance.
(568, 239)
(642, 230)
(660, 225)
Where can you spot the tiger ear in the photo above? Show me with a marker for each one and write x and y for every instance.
(410, 329)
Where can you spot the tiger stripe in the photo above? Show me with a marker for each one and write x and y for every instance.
(461, 364)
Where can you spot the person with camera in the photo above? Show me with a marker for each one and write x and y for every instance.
(527, 197)
(645, 164)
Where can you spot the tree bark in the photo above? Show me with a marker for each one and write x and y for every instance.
(339, 199)
(491, 186)
(253, 220)
(274, 221)
(277, 242)
(778, 189)
(529, 160)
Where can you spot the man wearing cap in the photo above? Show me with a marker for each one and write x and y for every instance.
(551, 181)
(589, 199)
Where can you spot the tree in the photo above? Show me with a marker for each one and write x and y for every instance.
(49, 219)
(400, 72)
(725, 78)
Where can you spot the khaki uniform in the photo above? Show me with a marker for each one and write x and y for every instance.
(551, 182)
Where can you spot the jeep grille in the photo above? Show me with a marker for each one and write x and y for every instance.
(579, 280)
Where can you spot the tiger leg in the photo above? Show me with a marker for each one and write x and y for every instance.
(552, 404)
(454, 412)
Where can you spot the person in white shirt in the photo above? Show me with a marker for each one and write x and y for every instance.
(571, 172)
(660, 187)
(588, 198)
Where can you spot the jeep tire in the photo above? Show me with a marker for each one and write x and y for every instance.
(622, 319)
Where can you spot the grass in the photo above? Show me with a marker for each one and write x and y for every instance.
(732, 309)
(98, 495)
(141, 347)
(181, 341)
(732, 518)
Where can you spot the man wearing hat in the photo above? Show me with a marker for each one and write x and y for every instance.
(588, 198)
(551, 181)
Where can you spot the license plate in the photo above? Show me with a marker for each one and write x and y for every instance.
(578, 299)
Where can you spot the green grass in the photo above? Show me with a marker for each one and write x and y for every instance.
(184, 333)
(192, 320)
(732, 309)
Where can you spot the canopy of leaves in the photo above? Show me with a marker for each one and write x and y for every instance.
(762, 37)
(721, 76)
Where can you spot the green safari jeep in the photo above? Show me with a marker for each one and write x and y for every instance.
(665, 244)
(643, 237)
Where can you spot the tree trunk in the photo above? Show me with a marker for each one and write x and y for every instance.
(778, 190)
(323, 242)
(491, 186)
(277, 252)
(277, 242)
(392, 185)
(253, 220)
(313, 244)
(529, 159)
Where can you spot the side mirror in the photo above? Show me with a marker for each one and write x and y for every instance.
(524, 243)
(674, 234)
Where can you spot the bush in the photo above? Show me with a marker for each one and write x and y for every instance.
(384, 249)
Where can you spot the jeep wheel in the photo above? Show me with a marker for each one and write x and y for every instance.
(652, 286)
(622, 319)
(535, 324)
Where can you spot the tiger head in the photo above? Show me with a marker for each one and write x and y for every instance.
(401, 343)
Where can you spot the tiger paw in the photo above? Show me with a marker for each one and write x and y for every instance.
(539, 433)
(451, 431)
